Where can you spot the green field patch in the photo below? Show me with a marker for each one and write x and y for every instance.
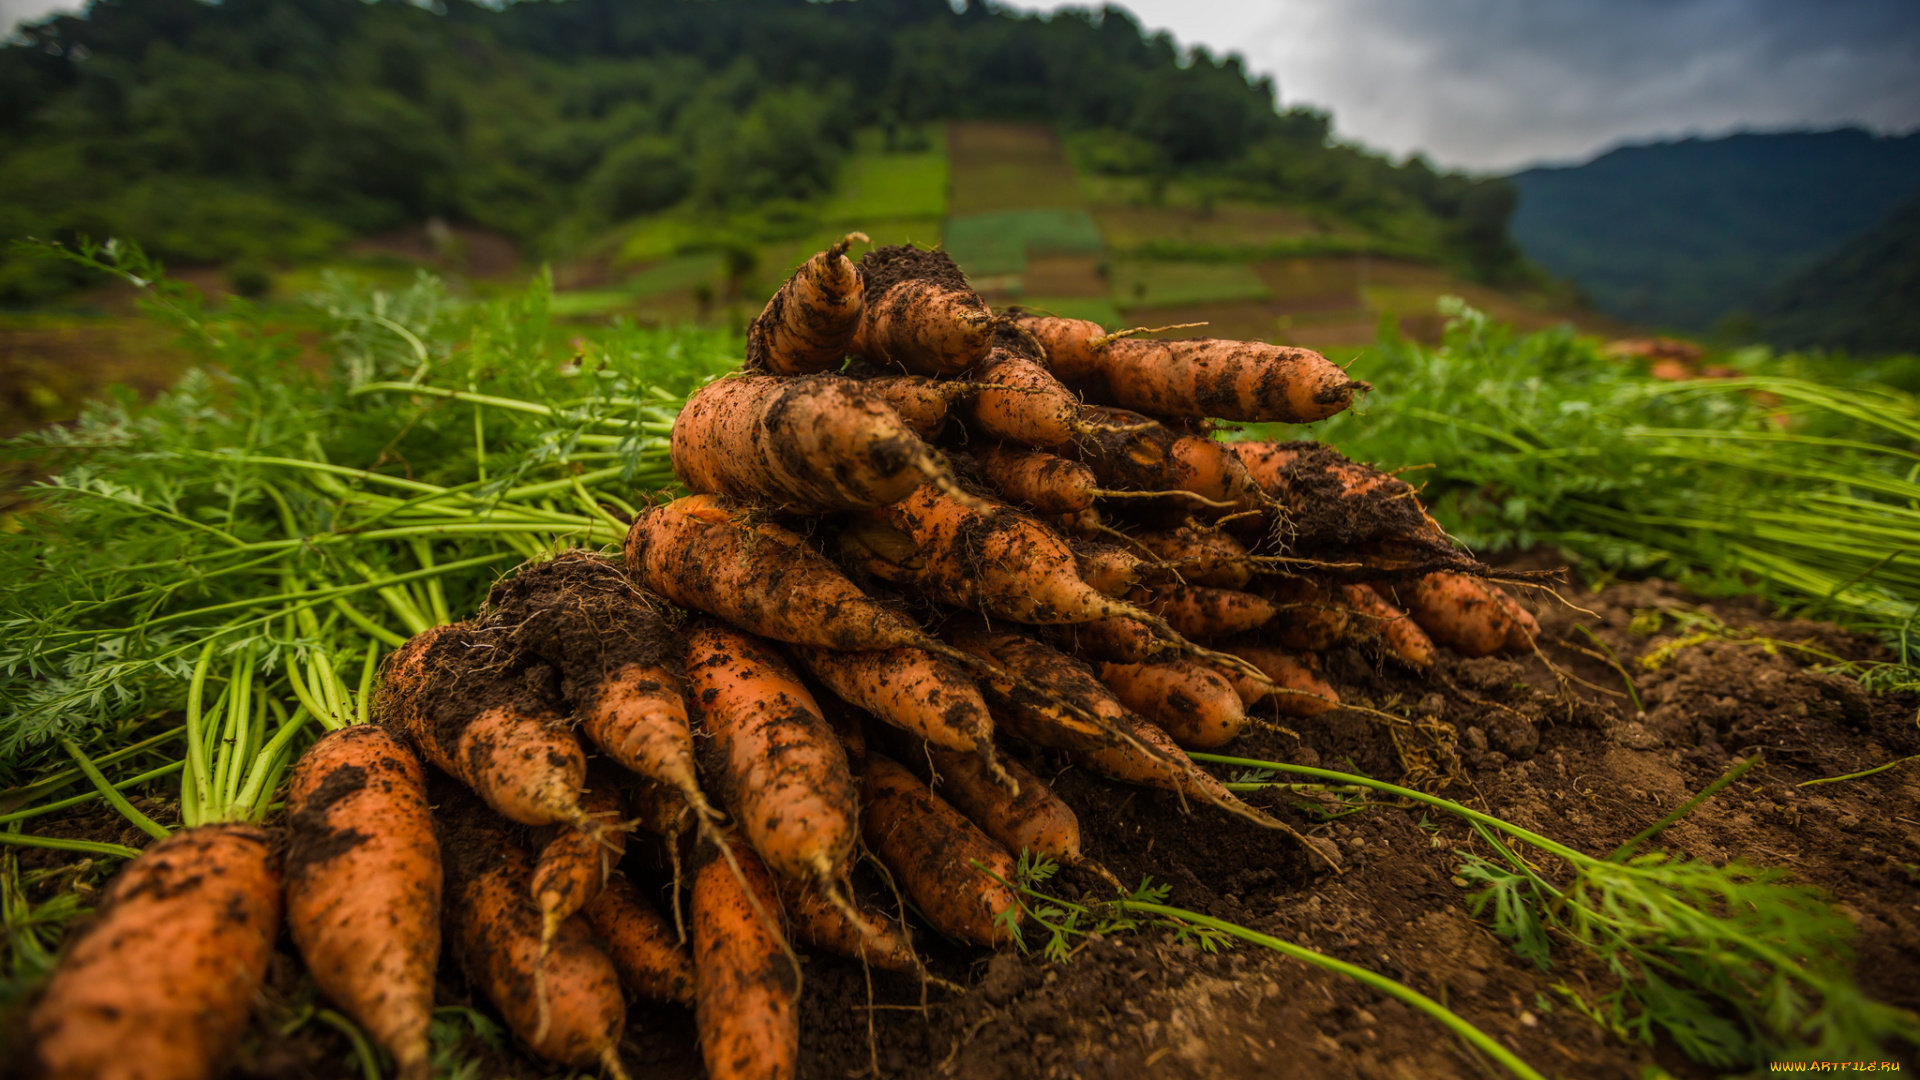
(1146, 284)
(1006, 166)
(672, 275)
(879, 185)
(987, 245)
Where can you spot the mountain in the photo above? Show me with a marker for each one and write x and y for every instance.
(1863, 297)
(1680, 234)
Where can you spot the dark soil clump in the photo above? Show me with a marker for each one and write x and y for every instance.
(884, 267)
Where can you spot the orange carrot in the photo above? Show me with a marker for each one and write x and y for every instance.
(815, 920)
(574, 865)
(1337, 506)
(1022, 403)
(1199, 708)
(1198, 377)
(517, 754)
(160, 986)
(363, 885)
(1309, 617)
(1168, 769)
(694, 553)
(810, 321)
(1037, 480)
(1108, 568)
(1044, 720)
(1524, 628)
(921, 315)
(651, 963)
(1119, 641)
(1201, 556)
(1399, 634)
(1130, 451)
(1298, 688)
(1035, 820)
(1458, 612)
(912, 690)
(932, 850)
(580, 615)
(745, 988)
(1199, 613)
(774, 761)
(920, 403)
(564, 1001)
(809, 444)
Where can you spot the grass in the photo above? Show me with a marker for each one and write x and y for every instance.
(1798, 480)
(877, 185)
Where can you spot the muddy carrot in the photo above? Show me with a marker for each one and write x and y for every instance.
(1458, 612)
(745, 990)
(1198, 707)
(1396, 631)
(363, 885)
(651, 962)
(921, 316)
(810, 321)
(932, 850)
(1297, 686)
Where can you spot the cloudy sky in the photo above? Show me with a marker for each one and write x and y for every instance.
(1498, 84)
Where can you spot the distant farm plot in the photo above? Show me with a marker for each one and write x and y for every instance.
(1159, 283)
(879, 185)
(1005, 166)
(998, 244)
(1226, 226)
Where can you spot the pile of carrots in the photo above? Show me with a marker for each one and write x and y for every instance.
(921, 533)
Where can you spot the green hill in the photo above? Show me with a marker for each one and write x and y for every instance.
(1681, 234)
(264, 133)
(1863, 297)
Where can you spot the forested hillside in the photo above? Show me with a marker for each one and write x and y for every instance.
(1863, 297)
(271, 131)
(1682, 234)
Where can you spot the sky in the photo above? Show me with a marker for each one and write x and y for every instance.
(1496, 85)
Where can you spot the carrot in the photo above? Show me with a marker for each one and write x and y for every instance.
(1130, 451)
(363, 885)
(1200, 377)
(1022, 403)
(745, 990)
(1298, 688)
(1035, 820)
(1085, 524)
(1044, 483)
(921, 316)
(1200, 555)
(1458, 612)
(1199, 708)
(1108, 568)
(809, 444)
(810, 321)
(516, 753)
(1336, 505)
(662, 811)
(763, 577)
(932, 850)
(920, 403)
(1120, 641)
(774, 761)
(574, 865)
(1399, 634)
(1524, 627)
(995, 560)
(816, 921)
(563, 1001)
(1042, 719)
(1173, 771)
(912, 690)
(161, 984)
(579, 614)
(1199, 613)
(1037, 480)
(1309, 617)
(651, 963)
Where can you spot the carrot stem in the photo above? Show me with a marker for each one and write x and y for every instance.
(112, 794)
(91, 847)
(196, 785)
(37, 811)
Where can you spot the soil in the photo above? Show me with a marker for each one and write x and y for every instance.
(1574, 760)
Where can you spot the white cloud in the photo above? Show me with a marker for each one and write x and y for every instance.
(15, 12)
(1496, 84)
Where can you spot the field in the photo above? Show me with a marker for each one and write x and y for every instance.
(1725, 680)
(1644, 692)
